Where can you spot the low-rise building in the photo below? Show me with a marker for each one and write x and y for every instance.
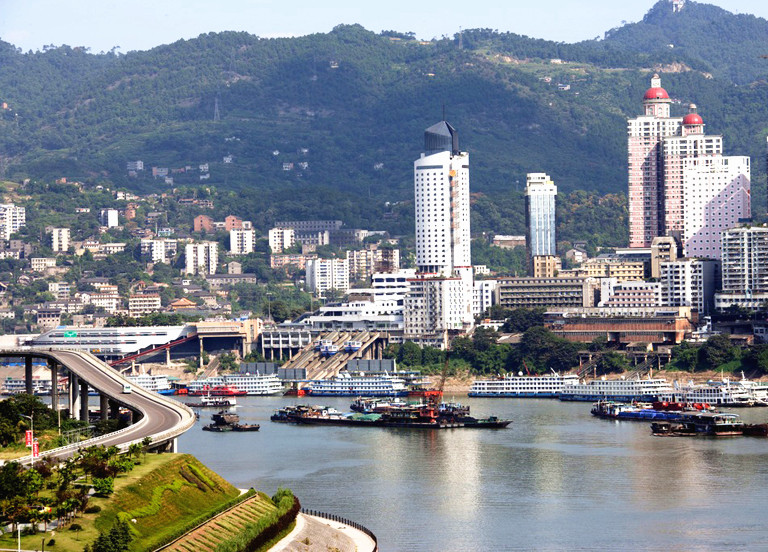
(139, 305)
(545, 292)
(39, 264)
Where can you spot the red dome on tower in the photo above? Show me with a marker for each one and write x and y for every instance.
(693, 119)
(656, 93)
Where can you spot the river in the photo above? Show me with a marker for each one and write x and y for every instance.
(556, 479)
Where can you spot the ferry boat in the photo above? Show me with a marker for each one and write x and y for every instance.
(720, 393)
(216, 402)
(701, 423)
(546, 386)
(424, 416)
(629, 411)
(626, 390)
(237, 385)
(346, 385)
(157, 383)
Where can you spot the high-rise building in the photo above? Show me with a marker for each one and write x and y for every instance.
(241, 242)
(440, 300)
(540, 193)
(744, 268)
(688, 283)
(60, 240)
(201, 258)
(680, 184)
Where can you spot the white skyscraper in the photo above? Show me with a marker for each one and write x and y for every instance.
(441, 294)
(12, 218)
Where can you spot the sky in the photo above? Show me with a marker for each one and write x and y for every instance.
(143, 24)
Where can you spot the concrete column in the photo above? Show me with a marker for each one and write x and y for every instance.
(28, 374)
(83, 401)
(54, 383)
(200, 338)
(114, 410)
(104, 407)
(168, 356)
(74, 397)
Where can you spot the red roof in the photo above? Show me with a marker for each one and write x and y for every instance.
(656, 94)
(693, 119)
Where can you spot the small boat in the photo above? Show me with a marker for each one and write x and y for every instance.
(716, 424)
(228, 421)
(207, 401)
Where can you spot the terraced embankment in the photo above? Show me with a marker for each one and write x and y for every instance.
(167, 502)
(226, 525)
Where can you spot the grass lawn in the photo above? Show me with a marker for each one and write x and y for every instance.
(162, 493)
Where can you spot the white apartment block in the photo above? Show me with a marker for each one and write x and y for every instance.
(107, 301)
(39, 264)
(60, 238)
(281, 239)
(61, 290)
(325, 274)
(688, 283)
(483, 295)
(434, 307)
(139, 305)
(629, 294)
(744, 268)
(241, 242)
(12, 218)
(201, 258)
(716, 197)
(363, 263)
(159, 250)
(108, 218)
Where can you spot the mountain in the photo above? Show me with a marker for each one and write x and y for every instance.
(328, 125)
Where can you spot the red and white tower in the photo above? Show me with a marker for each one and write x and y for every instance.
(646, 171)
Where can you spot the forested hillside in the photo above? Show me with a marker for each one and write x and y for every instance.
(327, 125)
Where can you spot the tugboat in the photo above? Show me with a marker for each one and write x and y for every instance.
(227, 421)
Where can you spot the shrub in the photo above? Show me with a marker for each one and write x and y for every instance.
(104, 486)
(93, 509)
(75, 527)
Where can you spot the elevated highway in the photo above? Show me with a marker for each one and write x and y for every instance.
(156, 416)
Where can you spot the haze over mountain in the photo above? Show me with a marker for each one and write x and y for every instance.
(353, 104)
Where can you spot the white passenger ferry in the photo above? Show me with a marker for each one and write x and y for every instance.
(157, 383)
(644, 390)
(346, 385)
(722, 393)
(252, 384)
(546, 386)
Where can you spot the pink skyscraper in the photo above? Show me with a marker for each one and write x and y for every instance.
(646, 168)
(680, 184)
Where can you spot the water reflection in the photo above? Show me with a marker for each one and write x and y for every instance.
(557, 479)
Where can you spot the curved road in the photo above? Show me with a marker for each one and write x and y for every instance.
(162, 419)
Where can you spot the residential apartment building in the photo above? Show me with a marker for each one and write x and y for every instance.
(689, 283)
(201, 258)
(364, 262)
(744, 268)
(629, 294)
(325, 274)
(12, 218)
(108, 218)
(159, 250)
(39, 264)
(139, 305)
(281, 238)
(241, 242)
(60, 240)
(296, 260)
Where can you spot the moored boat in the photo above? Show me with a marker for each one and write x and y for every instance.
(717, 424)
(512, 386)
(623, 390)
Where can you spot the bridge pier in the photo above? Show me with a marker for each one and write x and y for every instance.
(74, 397)
(28, 374)
(104, 407)
(114, 410)
(168, 357)
(200, 338)
(83, 400)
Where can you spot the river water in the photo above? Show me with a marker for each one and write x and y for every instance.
(556, 479)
